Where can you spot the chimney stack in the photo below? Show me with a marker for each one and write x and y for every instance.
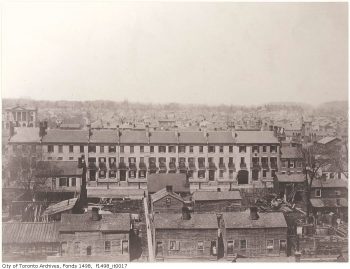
(95, 216)
(254, 213)
(186, 215)
(169, 188)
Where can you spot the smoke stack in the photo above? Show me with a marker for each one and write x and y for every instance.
(169, 188)
(95, 216)
(254, 213)
(186, 215)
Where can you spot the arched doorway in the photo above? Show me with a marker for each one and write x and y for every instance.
(243, 177)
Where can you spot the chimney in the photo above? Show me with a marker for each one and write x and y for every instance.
(253, 213)
(186, 215)
(169, 188)
(94, 214)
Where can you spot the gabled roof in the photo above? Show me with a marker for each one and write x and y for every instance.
(329, 183)
(163, 193)
(133, 137)
(66, 136)
(29, 232)
(291, 153)
(163, 137)
(61, 206)
(175, 221)
(25, 135)
(157, 182)
(327, 140)
(241, 220)
(220, 137)
(295, 178)
(20, 108)
(83, 222)
(192, 137)
(115, 193)
(104, 136)
(256, 137)
(61, 168)
(328, 202)
(216, 196)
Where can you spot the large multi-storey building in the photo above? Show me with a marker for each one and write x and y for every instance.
(126, 158)
(19, 116)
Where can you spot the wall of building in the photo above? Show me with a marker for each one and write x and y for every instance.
(217, 206)
(167, 204)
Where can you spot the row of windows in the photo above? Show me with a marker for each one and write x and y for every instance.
(107, 247)
(161, 149)
(242, 245)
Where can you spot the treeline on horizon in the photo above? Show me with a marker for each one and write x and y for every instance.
(333, 108)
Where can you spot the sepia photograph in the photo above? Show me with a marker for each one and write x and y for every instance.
(174, 132)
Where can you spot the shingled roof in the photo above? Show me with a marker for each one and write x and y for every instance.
(104, 136)
(328, 202)
(157, 182)
(133, 137)
(61, 206)
(175, 221)
(163, 137)
(192, 137)
(66, 136)
(327, 140)
(220, 137)
(329, 183)
(240, 220)
(216, 196)
(163, 193)
(256, 137)
(29, 232)
(83, 222)
(25, 135)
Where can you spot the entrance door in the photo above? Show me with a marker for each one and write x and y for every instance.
(213, 248)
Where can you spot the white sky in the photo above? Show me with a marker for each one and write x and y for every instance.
(209, 53)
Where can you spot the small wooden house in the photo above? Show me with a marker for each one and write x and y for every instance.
(166, 201)
(185, 236)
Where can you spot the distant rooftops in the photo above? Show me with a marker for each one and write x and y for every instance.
(327, 140)
(291, 153)
(25, 135)
(66, 136)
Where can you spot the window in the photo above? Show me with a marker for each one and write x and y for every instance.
(60, 158)
(191, 149)
(73, 181)
(142, 174)
(49, 158)
(221, 173)
(132, 174)
(161, 149)
(107, 246)
(49, 148)
(88, 251)
(273, 149)
(337, 193)
(71, 148)
(200, 246)
(211, 149)
(102, 149)
(221, 160)
(102, 174)
(174, 245)
(255, 174)
(255, 148)
(63, 182)
(230, 174)
(92, 148)
(221, 149)
(299, 164)
(230, 149)
(201, 149)
(243, 244)
(81, 149)
(291, 164)
(201, 174)
(284, 164)
(172, 149)
(63, 248)
(121, 149)
(318, 193)
(182, 149)
(112, 174)
(273, 173)
(71, 158)
(264, 149)
(77, 248)
(283, 245)
(269, 244)
(242, 160)
(230, 245)
(151, 149)
(125, 246)
(111, 149)
(242, 149)
(142, 149)
(131, 149)
(264, 173)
